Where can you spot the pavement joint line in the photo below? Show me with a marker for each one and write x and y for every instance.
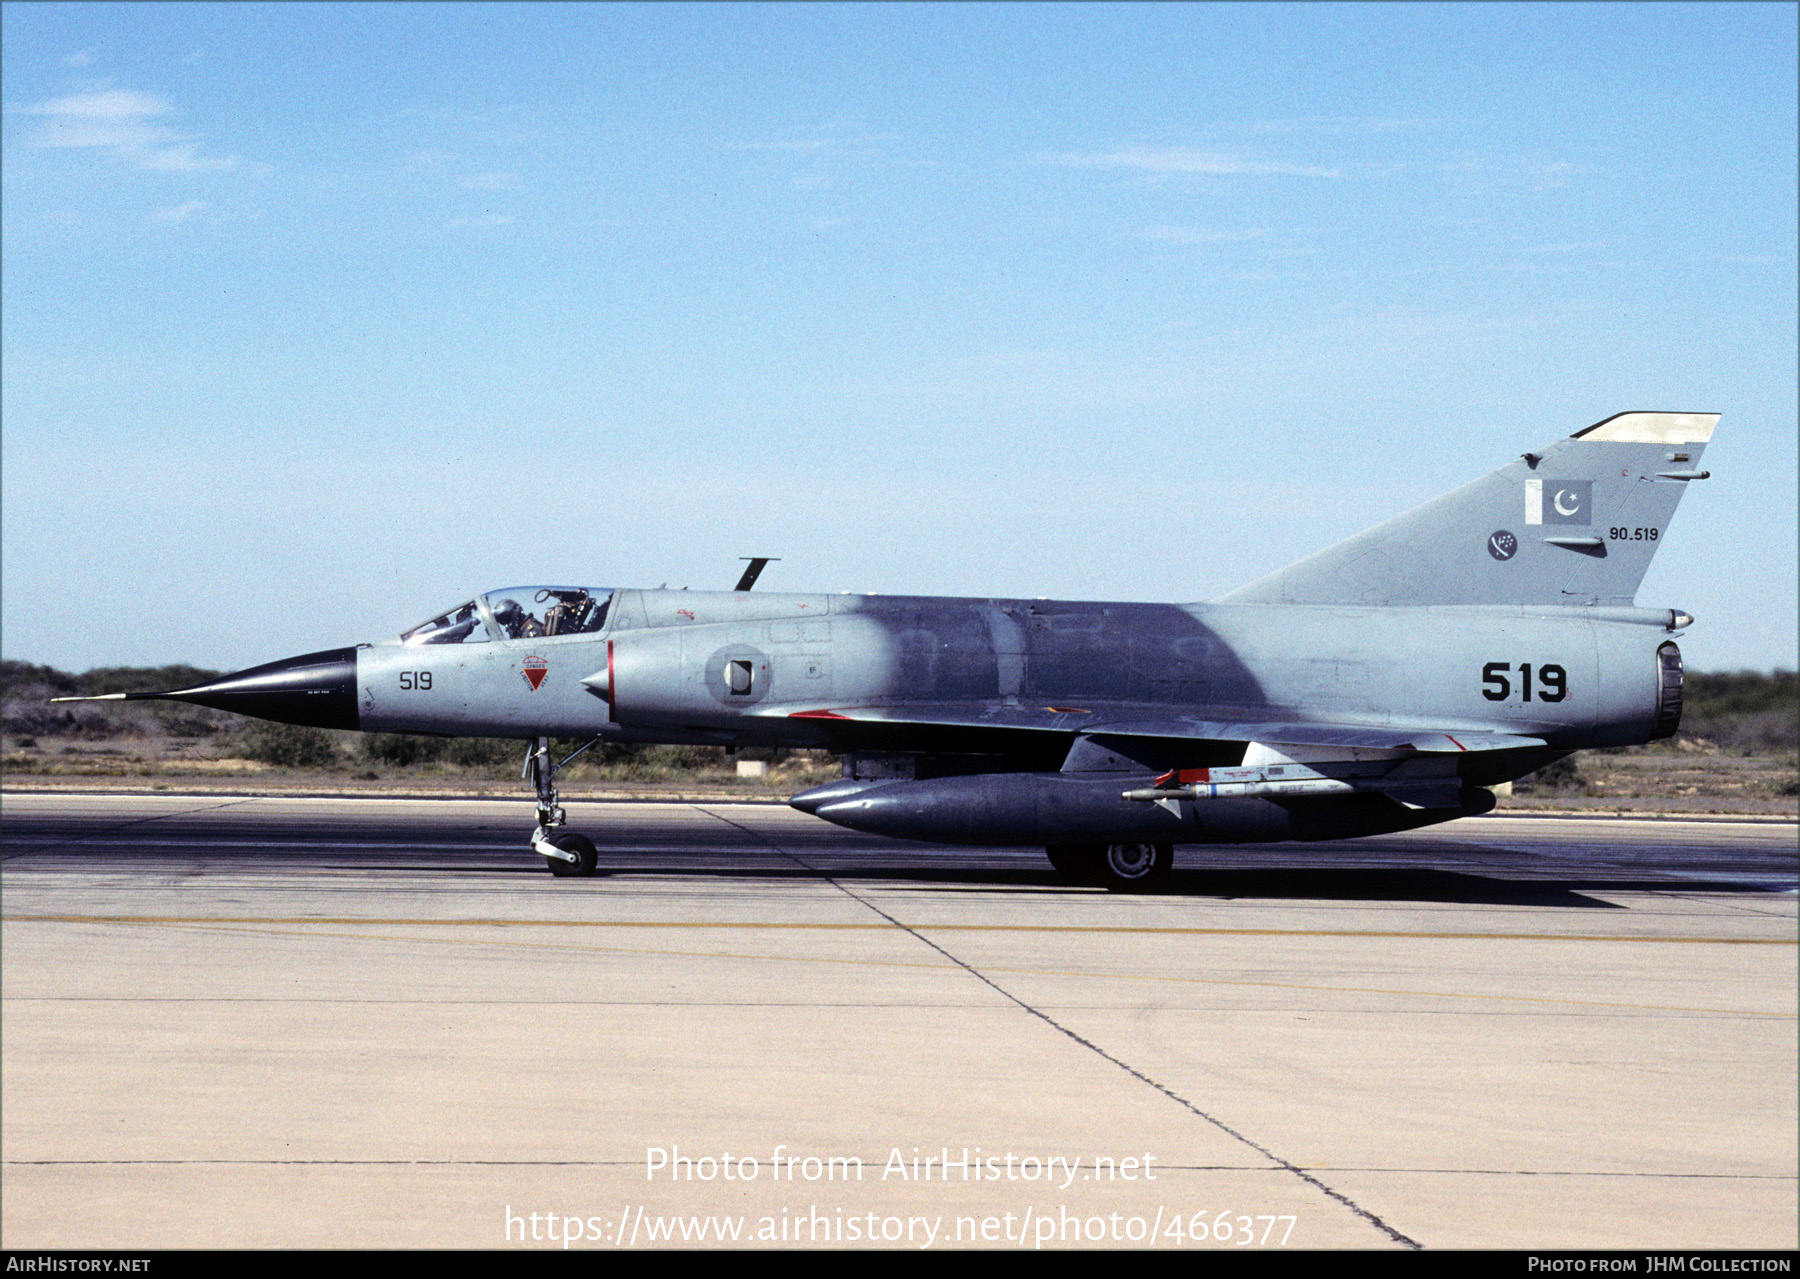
(372, 1163)
(137, 821)
(77, 787)
(1012, 972)
(629, 1163)
(336, 1001)
(794, 926)
(1284, 1164)
(1563, 1172)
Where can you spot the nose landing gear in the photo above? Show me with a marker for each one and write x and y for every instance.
(567, 854)
(575, 855)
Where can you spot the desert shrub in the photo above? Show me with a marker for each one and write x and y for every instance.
(290, 746)
(35, 719)
(142, 679)
(401, 750)
(654, 763)
(1742, 692)
(23, 680)
(38, 719)
(1769, 730)
(486, 752)
(1744, 711)
(1562, 775)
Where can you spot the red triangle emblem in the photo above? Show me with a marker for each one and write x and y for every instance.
(534, 670)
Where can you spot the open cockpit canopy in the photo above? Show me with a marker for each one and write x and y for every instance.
(517, 612)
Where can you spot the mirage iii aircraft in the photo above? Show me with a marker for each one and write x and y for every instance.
(1381, 684)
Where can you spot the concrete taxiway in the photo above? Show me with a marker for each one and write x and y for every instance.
(366, 1023)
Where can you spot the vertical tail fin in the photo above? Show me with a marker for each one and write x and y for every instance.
(1576, 523)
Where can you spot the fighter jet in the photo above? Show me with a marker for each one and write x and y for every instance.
(1384, 683)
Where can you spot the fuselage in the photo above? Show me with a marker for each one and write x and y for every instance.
(751, 668)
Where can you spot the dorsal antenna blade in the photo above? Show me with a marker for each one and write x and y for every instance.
(754, 571)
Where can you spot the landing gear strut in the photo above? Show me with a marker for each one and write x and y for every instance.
(566, 853)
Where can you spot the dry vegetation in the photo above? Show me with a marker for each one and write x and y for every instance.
(168, 745)
(1738, 751)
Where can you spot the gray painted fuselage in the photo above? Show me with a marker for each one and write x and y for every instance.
(1025, 670)
(657, 667)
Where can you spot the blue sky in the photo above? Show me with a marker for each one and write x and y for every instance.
(317, 319)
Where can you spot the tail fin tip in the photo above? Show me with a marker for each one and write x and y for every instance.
(1651, 428)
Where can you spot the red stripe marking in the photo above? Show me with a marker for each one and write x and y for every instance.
(816, 715)
(612, 695)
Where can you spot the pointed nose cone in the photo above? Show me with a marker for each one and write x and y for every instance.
(317, 689)
(810, 801)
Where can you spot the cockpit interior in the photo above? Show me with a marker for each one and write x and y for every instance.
(517, 612)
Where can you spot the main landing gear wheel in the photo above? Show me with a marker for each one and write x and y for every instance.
(586, 856)
(1136, 868)
(1124, 868)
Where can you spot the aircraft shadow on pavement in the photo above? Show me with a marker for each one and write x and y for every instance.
(1269, 883)
(1014, 872)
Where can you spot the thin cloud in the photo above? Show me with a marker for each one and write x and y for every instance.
(1514, 171)
(80, 58)
(431, 161)
(1578, 246)
(1187, 160)
(843, 144)
(181, 212)
(123, 122)
(1341, 124)
(492, 182)
(1197, 235)
(810, 146)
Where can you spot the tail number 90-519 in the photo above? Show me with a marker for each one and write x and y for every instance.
(1496, 683)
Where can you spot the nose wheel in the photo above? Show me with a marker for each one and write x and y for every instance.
(568, 855)
(578, 847)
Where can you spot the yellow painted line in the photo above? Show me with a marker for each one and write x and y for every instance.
(774, 925)
(948, 967)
